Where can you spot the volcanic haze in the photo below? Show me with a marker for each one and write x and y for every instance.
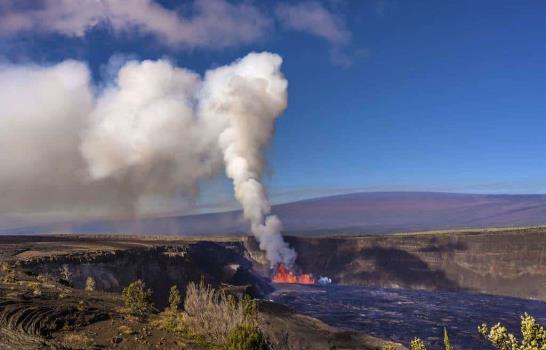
(155, 131)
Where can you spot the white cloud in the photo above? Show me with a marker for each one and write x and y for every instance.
(311, 17)
(212, 23)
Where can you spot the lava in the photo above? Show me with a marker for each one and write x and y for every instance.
(285, 276)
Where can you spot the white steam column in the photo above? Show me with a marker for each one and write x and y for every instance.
(248, 96)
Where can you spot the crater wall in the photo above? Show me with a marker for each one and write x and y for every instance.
(510, 262)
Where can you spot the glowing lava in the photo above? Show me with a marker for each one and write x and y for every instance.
(285, 276)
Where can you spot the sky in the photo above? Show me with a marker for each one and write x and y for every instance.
(383, 95)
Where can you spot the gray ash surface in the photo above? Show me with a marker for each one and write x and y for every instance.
(401, 314)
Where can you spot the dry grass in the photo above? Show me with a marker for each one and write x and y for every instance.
(211, 314)
(210, 317)
(77, 339)
(126, 330)
(8, 273)
(90, 284)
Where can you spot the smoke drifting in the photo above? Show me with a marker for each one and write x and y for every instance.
(157, 130)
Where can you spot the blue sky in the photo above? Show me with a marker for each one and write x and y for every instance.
(394, 95)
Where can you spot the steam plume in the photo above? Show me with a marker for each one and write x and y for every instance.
(157, 130)
(248, 96)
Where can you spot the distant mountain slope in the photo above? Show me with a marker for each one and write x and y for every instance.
(375, 212)
(412, 211)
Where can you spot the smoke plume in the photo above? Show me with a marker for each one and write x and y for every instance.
(246, 98)
(156, 130)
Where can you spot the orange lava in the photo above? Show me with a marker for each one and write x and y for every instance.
(285, 276)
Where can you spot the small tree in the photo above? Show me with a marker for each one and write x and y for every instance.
(90, 284)
(447, 344)
(137, 298)
(174, 299)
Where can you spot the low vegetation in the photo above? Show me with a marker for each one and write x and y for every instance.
(77, 340)
(90, 284)
(417, 344)
(213, 319)
(218, 321)
(174, 299)
(533, 337)
(447, 344)
(138, 299)
(8, 273)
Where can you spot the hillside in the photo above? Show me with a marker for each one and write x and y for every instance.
(376, 212)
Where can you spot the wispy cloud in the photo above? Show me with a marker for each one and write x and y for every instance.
(313, 18)
(212, 23)
(197, 24)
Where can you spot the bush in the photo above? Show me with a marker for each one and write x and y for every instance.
(417, 344)
(90, 285)
(137, 298)
(389, 347)
(534, 335)
(212, 315)
(8, 273)
(174, 299)
(171, 322)
(246, 337)
(214, 319)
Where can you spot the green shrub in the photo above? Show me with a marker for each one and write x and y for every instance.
(137, 298)
(417, 344)
(534, 335)
(174, 299)
(171, 322)
(389, 347)
(246, 337)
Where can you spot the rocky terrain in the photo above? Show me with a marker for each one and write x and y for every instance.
(510, 262)
(43, 303)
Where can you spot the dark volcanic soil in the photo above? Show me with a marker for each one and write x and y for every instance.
(40, 310)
